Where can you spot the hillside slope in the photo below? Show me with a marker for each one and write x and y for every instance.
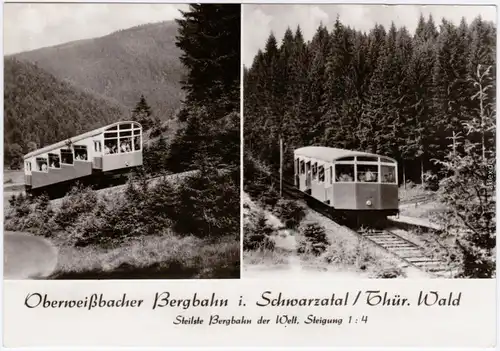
(122, 66)
(40, 108)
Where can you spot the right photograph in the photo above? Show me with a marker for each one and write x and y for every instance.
(369, 141)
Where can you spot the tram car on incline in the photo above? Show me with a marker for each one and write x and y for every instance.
(94, 158)
(357, 184)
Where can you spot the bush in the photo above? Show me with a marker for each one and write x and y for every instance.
(431, 181)
(290, 212)
(32, 215)
(389, 273)
(257, 233)
(20, 205)
(208, 205)
(79, 200)
(270, 197)
(314, 239)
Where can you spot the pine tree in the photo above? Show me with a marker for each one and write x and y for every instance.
(209, 36)
(142, 114)
(450, 81)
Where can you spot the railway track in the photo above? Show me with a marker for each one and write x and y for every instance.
(403, 249)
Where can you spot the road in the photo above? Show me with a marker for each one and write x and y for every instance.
(27, 256)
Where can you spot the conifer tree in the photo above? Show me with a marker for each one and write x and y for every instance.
(209, 36)
(142, 114)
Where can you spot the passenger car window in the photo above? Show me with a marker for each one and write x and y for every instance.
(367, 173)
(67, 156)
(321, 173)
(315, 170)
(54, 161)
(344, 173)
(388, 174)
(41, 164)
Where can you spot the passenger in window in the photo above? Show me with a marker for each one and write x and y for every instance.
(106, 150)
(44, 167)
(370, 177)
(345, 177)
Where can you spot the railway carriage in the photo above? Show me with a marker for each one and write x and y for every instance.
(359, 184)
(92, 158)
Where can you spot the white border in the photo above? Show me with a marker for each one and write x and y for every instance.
(370, 2)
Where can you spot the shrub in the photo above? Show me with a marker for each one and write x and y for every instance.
(79, 201)
(270, 197)
(38, 221)
(257, 233)
(290, 212)
(314, 239)
(389, 273)
(208, 205)
(20, 205)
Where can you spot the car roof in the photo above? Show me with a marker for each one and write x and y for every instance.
(329, 154)
(75, 139)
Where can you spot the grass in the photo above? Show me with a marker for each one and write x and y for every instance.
(10, 177)
(426, 210)
(266, 257)
(414, 193)
(346, 252)
(418, 203)
(168, 256)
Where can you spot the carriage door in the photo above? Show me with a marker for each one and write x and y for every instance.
(328, 182)
(97, 154)
(308, 176)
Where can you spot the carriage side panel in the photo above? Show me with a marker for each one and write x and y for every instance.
(318, 190)
(97, 163)
(119, 161)
(66, 172)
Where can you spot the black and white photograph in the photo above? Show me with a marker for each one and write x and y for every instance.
(121, 141)
(369, 141)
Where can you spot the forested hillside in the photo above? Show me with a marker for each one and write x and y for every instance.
(389, 91)
(122, 66)
(40, 109)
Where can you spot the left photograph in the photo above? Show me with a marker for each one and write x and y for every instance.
(121, 141)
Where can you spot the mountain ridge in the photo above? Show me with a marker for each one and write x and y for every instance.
(121, 66)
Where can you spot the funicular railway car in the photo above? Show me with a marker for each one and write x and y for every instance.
(357, 184)
(93, 158)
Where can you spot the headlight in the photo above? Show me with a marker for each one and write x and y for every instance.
(368, 203)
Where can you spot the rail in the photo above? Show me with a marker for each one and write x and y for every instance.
(399, 247)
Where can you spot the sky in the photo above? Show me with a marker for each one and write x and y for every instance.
(259, 20)
(32, 26)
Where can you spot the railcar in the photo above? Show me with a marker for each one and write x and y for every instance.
(359, 185)
(98, 158)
